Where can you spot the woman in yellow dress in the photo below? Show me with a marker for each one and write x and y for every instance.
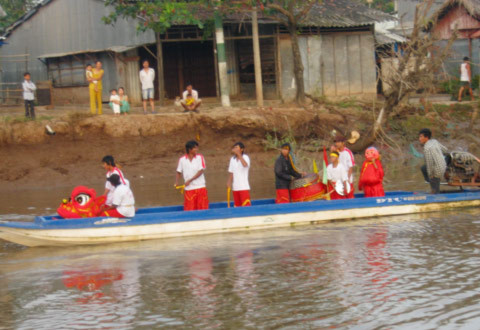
(95, 88)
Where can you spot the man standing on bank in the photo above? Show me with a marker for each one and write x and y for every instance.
(147, 76)
(192, 167)
(435, 164)
(238, 176)
(465, 78)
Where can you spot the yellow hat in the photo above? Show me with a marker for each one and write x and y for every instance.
(354, 136)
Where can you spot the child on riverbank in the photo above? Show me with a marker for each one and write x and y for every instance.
(114, 102)
(124, 105)
(89, 75)
(371, 176)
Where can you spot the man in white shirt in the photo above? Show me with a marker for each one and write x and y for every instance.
(347, 160)
(29, 89)
(190, 100)
(337, 175)
(238, 178)
(147, 76)
(123, 202)
(465, 78)
(192, 167)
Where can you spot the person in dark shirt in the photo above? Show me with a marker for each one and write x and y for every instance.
(285, 172)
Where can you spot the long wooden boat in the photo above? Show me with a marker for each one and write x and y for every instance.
(172, 221)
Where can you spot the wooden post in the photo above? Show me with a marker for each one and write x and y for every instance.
(256, 58)
(161, 82)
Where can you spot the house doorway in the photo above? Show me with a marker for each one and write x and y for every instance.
(189, 62)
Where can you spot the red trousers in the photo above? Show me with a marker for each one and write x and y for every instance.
(111, 213)
(242, 198)
(283, 196)
(333, 193)
(196, 199)
(352, 191)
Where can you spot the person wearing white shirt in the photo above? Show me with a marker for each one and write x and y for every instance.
(347, 160)
(465, 78)
(115, 102)
(123, 203)
(147, 76)
(337, 175)
(192, 167)
(29, 89)
(190, 100)
(238, 178)
(108, 164)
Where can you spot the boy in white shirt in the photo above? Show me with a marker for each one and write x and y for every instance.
(147, 77)
(238, 178)
(192, 167)
(347, 160)
(336, 173)
(123, 203)
(115, 102)
(29, 89)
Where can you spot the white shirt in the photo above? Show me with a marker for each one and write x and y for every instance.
(240, 173)
(28, 89)
(190, 168)
(464, 73)
(194, 95)
(147, 78)
(347, 160)
(338, 173)
(115, 106)
(110, 187)
(123, 199)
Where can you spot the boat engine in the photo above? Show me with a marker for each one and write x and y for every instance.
(462, 167)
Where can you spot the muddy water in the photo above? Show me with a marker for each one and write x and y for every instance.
(394, 272)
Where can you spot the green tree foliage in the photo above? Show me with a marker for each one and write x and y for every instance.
(14, 10)
(386, 6)
(157, 15)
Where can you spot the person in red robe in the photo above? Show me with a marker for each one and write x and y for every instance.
(371, 176)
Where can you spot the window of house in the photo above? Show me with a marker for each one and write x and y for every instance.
(68, 71)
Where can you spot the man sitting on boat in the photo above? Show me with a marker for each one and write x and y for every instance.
(285, 172)
(192, 167)
(337, 175)
(435, 164)
(109, 165)
(123, 202)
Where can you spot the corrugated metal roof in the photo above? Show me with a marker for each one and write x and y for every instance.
(116, 49)
(344, 13)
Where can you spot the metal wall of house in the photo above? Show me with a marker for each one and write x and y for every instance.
(63, 26)
(335, 64)
(232, 68)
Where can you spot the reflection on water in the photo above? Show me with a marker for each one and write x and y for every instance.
(396, 272)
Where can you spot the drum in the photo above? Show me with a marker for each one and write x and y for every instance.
(308, 188)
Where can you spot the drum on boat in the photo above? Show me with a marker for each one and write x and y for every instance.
(308, 188)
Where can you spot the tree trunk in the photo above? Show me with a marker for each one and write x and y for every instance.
(297, 64)
(161, 82)
(256, 59)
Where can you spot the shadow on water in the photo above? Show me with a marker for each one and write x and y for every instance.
(417, 270)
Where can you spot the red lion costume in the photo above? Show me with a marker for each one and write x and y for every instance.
(371, 177)
(83, 203)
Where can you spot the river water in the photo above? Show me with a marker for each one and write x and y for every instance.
(404, 272)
